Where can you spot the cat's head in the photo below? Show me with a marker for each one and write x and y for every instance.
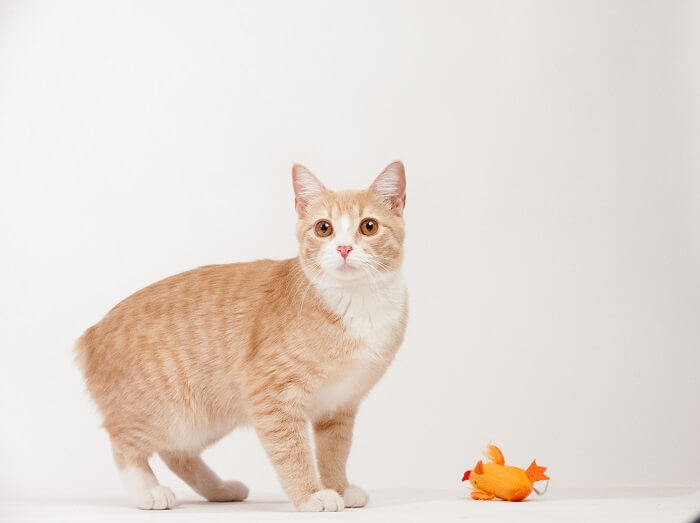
(350, 235)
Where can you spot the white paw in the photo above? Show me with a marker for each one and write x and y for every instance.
(228, 491)
(354, 496)
(323, 501)
(155, 498)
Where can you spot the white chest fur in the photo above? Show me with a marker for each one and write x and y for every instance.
(371, 314)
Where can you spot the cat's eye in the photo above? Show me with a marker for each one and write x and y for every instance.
(369, 227)
(323, 228)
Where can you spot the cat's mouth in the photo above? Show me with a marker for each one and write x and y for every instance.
(347, 270)
(346, 267)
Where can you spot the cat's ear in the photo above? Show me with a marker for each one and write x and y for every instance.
(306, 188)
(390, 187)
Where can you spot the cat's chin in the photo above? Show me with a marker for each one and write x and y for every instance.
(357, 277)
(348, 274)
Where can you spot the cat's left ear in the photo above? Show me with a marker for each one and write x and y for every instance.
(306, 188)
(390, 187)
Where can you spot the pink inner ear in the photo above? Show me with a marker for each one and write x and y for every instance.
(306, 187)
(390, 186)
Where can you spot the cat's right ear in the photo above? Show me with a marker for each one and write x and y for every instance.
(306, 188)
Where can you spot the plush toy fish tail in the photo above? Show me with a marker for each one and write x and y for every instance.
(535, 472)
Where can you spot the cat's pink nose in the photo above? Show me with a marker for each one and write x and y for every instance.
(344, 250)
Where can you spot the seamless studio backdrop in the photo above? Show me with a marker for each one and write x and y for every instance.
(553, 217)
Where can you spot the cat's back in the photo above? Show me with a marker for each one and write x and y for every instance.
(190, 309)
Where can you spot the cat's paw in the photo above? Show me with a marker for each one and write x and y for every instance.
(354, 496)
(228, 491)
(323, 501)
(155, 498)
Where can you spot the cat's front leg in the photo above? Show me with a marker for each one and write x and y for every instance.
(333, 435)
(283, 431)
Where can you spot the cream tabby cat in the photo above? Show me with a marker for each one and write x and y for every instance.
(274, 344)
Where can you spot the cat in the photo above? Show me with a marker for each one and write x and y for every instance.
(273, 344)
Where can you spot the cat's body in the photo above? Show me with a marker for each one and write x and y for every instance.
(145, 356)
(273, 344)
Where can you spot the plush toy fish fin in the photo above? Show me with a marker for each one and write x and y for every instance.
(535, 473)
(493, 453)
(479, 467)
(480, 494)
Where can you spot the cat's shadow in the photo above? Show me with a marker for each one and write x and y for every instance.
(378, 498)
(254, 505)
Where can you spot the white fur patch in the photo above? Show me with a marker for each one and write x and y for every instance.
(340, 392)
(371, 311)
(186, 433)
(136, 479)
(354, 496)
(144, 490)
(343, 235)
(323, 501)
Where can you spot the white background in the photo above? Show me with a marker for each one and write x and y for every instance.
(553, 249)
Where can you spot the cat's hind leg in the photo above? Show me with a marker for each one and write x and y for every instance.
(138, 479)
(193, 471)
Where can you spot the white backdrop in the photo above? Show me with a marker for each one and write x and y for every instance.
(553, 216)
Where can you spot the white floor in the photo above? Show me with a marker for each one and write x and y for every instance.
(629, 505)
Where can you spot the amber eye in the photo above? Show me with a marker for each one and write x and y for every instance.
(369, 227)
(323, 228)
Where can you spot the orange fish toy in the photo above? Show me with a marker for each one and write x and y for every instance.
(496, 479)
